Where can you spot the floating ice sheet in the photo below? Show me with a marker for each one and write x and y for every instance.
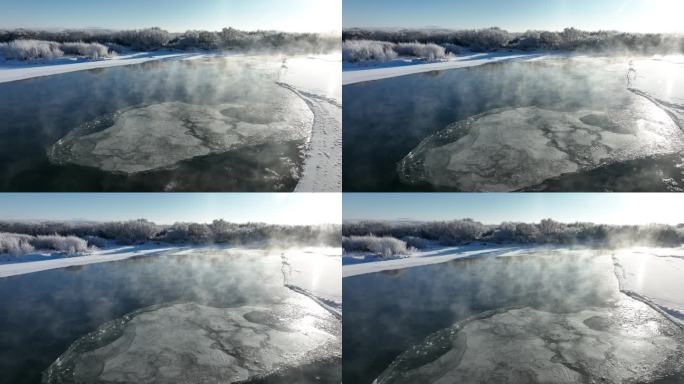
(627, 342)
(160, 135)
(513, 148)
(194, 343)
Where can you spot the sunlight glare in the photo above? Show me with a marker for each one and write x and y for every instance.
(659, 16)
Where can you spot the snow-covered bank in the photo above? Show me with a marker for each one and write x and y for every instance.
(356, 73)
(99, 256)
(322, 170)
(315, 272)
(428, 257)
(14, 70)
(317, 80)
(655, 276)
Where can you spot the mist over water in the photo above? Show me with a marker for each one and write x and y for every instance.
(572, 124)
(108, 129)
(49, 313)
(407, 323)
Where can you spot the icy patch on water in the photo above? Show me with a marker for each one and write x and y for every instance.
(185, 343)
(512, 148)
(627, 342)
(160, 135)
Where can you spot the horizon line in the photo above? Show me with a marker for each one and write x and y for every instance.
(457, 29)
(110, 29)
(499, 223)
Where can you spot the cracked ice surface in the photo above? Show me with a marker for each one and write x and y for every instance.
(160, 135)
(194, 343)
(513, 148)
(627, 341)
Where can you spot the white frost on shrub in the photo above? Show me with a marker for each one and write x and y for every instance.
(30, 50)
(15, 244)
(19, 244)
(430, 52)
(416, 242)
(365, 50)
(67, 244)
(384, 246)
(92, 50)
(39, 49)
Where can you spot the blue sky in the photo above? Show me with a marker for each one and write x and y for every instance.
(167, 208)
(493, 208)
(518, 15)
(174, 15)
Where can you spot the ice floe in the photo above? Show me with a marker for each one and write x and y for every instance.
(624, 342)
(195, 343)
(509, 149)
(155, 136)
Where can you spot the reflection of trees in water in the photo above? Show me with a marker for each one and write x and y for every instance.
(393, 272)
(465, 262)
(75, 268)
(433, 73)
(98, 71)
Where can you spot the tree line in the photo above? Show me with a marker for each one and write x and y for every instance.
(19, 234)
(381, 235)
(570, 39)
(157, 38)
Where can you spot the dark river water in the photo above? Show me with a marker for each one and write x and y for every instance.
(36, 113)
(390, 314)
(386, 120)
(43, 313)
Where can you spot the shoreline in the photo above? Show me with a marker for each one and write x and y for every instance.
(353, 74)
(11, 71)
(100, 256)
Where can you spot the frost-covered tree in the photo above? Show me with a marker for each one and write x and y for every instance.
(128, 232)
(139, 231)
(142, 39)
